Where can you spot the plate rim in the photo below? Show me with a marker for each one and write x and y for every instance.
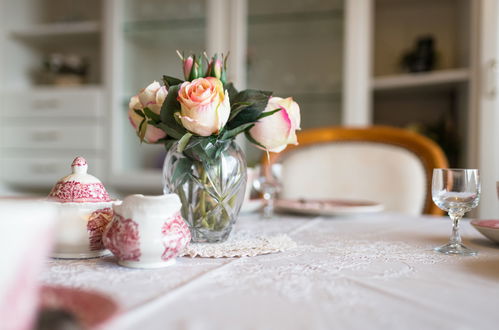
(340, 210)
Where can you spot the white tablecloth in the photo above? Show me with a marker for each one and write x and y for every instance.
(363, 272)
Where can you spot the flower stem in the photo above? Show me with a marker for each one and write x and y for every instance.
(202, 202)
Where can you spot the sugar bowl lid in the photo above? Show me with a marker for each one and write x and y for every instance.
(79, 186)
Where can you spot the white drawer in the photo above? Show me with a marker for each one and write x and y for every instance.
(82, 136)
(52, 103)
(38, 171)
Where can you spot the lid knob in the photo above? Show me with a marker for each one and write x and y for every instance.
(79, 166)
(79, 186)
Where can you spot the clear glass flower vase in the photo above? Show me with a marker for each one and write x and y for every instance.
(210, 182)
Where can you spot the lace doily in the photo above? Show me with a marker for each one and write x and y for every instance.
(241, 245)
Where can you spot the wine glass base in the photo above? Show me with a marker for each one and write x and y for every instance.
(456, 249)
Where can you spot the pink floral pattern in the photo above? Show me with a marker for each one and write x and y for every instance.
(96, 224)
(122, 239)
(176, 236)
(79, 161)
(77, 192)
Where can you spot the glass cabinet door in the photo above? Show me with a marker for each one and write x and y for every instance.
(295, 48)
(152, 31)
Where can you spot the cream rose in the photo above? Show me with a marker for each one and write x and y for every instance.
(276, 131)
(151, 97)
(205, 107)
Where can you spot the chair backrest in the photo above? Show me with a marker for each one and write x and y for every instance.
(379, 163)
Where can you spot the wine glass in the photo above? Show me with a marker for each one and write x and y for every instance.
(268, 185)
(456, 191)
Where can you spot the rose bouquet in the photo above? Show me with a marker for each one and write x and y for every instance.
(197, 118)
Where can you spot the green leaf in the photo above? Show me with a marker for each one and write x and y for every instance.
(229, 134)
(231, 90)
(194, 141)
(168, 142)
(171, 81)
(268, 113)
(152, 115)
(167, 114)
(142, 130)
(255, 142)
(236, 108)
(183, 142)
(180, 173)
(203, 149)
(171, 131)
(250, 114)
(139, 112)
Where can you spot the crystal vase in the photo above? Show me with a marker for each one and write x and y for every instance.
(210, 181)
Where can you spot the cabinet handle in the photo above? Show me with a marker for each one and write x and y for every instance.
(45, 136)
(43, 168)
(47, 104)
(491, 83)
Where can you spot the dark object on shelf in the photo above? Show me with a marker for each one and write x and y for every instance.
(62, 69)
(422, 58)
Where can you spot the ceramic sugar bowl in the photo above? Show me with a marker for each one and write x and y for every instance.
(84, 209)
(147, 231)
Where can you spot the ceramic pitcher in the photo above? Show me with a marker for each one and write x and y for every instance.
(147, 231)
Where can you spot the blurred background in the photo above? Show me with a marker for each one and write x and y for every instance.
(68, 69)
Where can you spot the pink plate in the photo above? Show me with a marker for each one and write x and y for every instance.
(327, 206)
(90, 308)
(488, 228)
(486, 223)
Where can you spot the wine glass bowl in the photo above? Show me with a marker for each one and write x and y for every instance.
(456, 191)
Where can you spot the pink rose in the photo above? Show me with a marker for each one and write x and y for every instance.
(276, 131)
(151, 97)
(205, 108)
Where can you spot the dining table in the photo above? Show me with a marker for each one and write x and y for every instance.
(360, 271)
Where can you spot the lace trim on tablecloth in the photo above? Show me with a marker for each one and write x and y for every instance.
(241, 245)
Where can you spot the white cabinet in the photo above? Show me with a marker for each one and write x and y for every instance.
(341, 60)
(52, 99)
(41, 127)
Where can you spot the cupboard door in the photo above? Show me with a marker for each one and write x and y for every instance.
(487, 122)
(295, 48)
(151, 31)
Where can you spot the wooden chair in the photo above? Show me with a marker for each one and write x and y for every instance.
(385, 164)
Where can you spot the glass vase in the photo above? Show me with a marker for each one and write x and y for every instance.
(210, 181)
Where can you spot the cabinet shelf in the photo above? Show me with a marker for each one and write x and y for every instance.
(57, 30)
(443, 77)
(299, 17)
(311, 96)
(154, 25)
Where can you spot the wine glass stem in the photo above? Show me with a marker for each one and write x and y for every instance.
(456, 237)
(268, 209)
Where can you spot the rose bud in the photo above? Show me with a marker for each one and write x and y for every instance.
(276, 131)
(188, 62)
(151, 97)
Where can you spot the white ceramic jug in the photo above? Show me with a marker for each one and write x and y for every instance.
(147, 231)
